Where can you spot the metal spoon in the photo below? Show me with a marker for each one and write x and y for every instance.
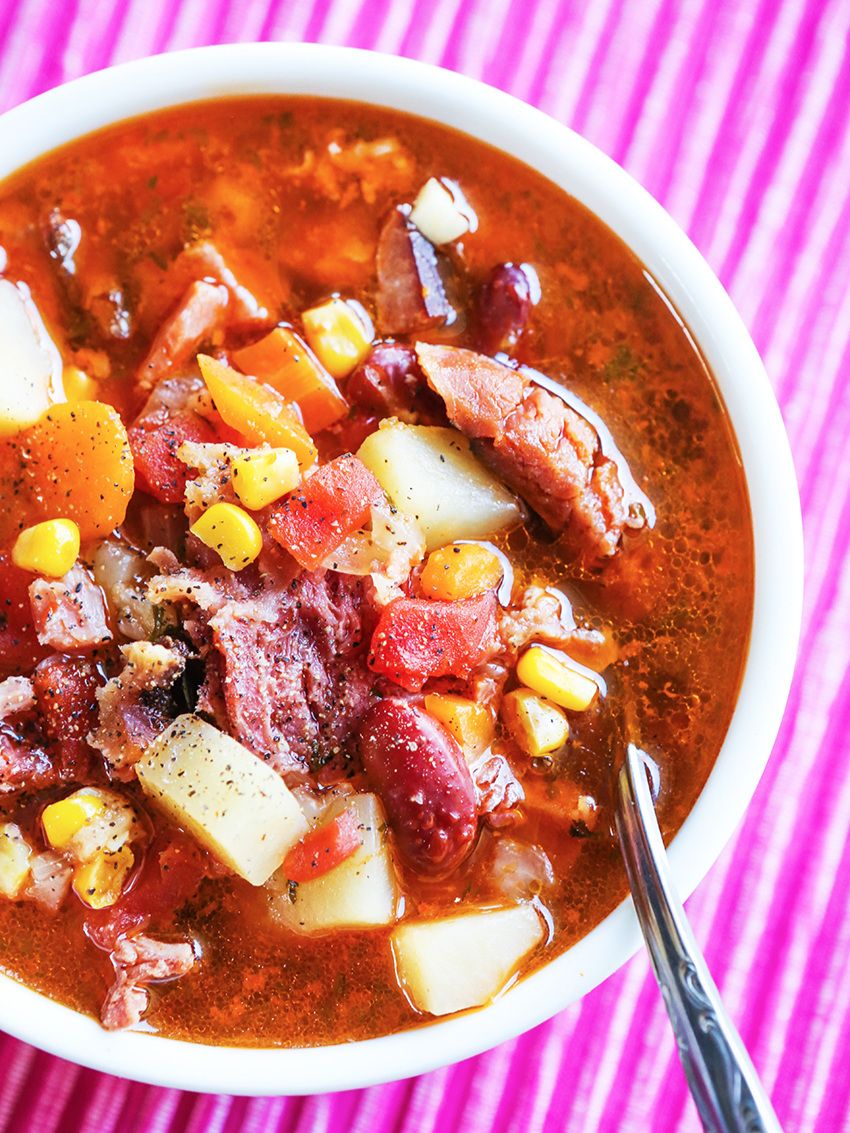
(727, 1091)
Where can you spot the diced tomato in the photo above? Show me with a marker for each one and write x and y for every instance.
(324, 848)
(65, 693)
(19, 647)
(417, 639)
(173, 869)
(312, 521)
(159, 471)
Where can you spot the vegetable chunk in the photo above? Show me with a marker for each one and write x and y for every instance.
(31, 369)
(336, 500)
(416, 639)
(430, 473)
(360, 892)
(77, 464)
(229, 800)
(464, 961)
(256, 411)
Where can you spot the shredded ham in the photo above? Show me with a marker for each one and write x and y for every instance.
(213, 482)
(69, 613)
(130, 712)
(498, 791)
(16, 695)
(138, 962)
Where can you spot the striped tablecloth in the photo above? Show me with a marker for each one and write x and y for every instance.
(735, 114)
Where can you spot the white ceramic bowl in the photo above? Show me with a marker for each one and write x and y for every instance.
(136, 88)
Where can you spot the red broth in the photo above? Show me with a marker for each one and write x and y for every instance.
(293, 194)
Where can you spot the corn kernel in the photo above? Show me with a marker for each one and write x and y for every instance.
(230, 531)
(550, 677)
(99, 882)
(262, 477)
(48, 548)
(64, 819)
(78, 385)
(469, 722)
(536, 725)
(461, 570)
(337, 335)
(15, 854)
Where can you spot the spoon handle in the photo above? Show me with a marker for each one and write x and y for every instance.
(727, 1091)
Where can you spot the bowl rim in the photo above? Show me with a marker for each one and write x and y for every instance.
(698, 299)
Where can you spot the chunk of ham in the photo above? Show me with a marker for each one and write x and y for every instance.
(498, 792)
(16, 695)
(199, 314)
(411, 296)
(69, 613)
(134, 706)
(140, 961)
(285, 661)
(25, 764)
(294, 674)
(213, 299)
(539, 444)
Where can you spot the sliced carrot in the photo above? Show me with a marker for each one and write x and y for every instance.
(75, 463)
(256, 411)
(324, 848)
(284, 362)
(460, 570)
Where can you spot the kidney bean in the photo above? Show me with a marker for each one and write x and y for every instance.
(390, 382)
(504, 304)
(421, 777)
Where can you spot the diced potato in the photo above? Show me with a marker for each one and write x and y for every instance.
(235, 805)
(431, 474)
(436, 215)
(15, 854)
(463, 961)
(361, 892)
(31, 369)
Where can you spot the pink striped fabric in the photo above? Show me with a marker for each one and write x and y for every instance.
(735, 114)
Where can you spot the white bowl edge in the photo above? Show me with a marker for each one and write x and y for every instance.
(132, 89)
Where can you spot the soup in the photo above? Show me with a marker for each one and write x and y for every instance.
(404, 499)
